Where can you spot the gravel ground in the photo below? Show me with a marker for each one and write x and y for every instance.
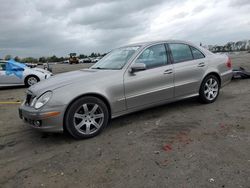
(183, 144)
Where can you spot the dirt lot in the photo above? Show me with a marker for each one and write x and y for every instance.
(183, 144)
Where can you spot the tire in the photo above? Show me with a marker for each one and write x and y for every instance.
(31, 80)
(86, 117)
(209, 90)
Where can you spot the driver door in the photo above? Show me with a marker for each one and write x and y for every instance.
(155, 84)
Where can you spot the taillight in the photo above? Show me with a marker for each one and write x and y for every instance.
(229, 63)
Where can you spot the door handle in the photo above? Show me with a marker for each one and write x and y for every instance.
(168, 71)
(201, 64)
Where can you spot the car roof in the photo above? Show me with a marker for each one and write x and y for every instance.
(159, 41)
(145, 44)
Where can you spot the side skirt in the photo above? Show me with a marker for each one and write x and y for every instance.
(129, 111)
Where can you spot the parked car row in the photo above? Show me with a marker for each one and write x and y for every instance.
(31, 65)
(85, 60)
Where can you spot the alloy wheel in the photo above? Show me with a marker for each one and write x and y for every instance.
(32, 80)
(88, 118)
(211, 89)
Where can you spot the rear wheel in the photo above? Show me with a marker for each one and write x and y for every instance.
(210, 89)
(86, 117)
(31, 80)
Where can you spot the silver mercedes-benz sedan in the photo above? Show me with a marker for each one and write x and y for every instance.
(126, 80)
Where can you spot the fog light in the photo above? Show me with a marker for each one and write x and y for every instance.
(38, 123)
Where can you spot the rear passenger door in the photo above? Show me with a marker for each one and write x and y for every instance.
(189, 66)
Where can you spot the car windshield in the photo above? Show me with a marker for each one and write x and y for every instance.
(116, 59)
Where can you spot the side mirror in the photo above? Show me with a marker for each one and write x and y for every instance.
(137, 67)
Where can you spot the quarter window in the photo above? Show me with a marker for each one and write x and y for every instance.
(153, 56)
(181, 52)
(197, 53)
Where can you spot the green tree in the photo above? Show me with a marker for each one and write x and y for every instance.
(52, 59)
(93, 54)
(8, 57)
(82, 56)
(29, 60)
(17, 59)
(60, 59)
(42, 60)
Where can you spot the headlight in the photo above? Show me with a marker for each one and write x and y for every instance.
(43, 99)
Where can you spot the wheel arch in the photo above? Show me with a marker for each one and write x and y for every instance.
(212, 73)
(99, 96)
(30, 75)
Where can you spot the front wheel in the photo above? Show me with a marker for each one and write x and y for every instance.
(86, 117)
(31, 80)
(210, 89)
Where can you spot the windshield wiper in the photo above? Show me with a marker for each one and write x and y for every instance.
(101, 68)
(97, 68)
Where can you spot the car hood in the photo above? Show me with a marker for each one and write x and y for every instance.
(73, 77)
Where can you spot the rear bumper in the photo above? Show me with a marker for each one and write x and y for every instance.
(226, 78)
(49, 122)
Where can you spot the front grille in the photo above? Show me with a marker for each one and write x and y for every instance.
(29, 98)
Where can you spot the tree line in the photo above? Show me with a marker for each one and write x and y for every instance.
(53, 58)
(231, 46)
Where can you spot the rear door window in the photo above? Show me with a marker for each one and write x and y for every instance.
(180, 52)
(197, 53)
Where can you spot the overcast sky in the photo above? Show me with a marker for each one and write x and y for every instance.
(47, 27)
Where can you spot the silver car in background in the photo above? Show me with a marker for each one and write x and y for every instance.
(126, 80)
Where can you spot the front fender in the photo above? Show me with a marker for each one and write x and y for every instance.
(113, 95)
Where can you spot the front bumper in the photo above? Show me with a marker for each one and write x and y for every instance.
(50, 120)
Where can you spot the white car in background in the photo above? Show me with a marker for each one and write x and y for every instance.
(13, 73)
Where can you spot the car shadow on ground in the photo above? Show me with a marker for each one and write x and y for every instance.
(152, 113)
(41, 138)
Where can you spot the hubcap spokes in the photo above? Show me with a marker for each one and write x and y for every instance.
(32, 81)
(88, 118)
(211, 89)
